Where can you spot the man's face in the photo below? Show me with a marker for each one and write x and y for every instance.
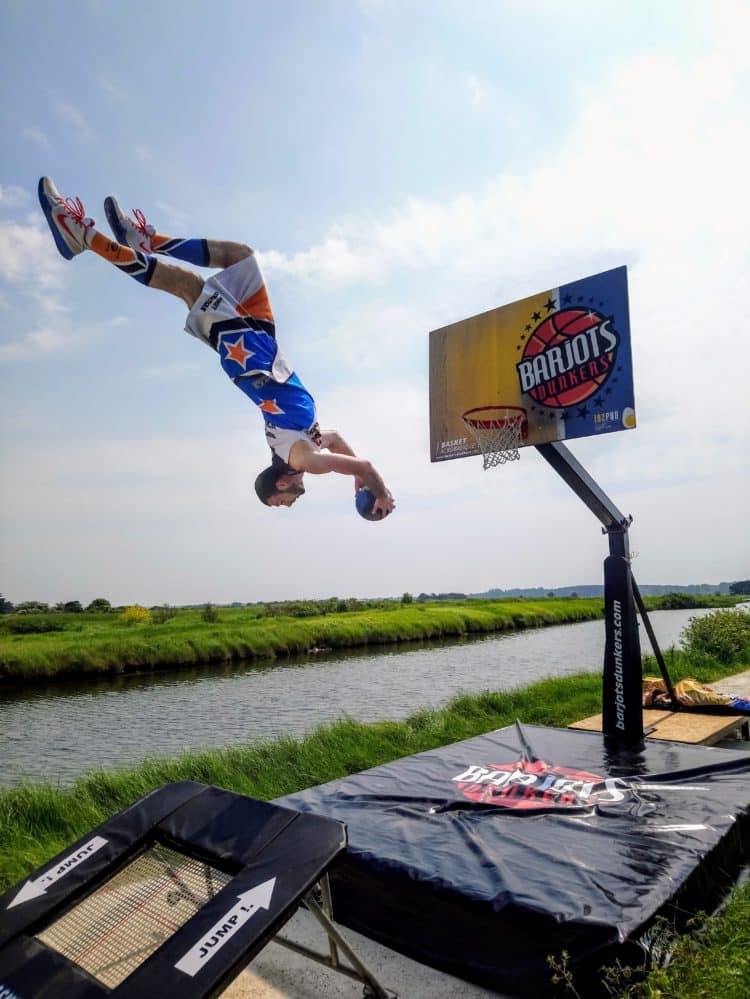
(290, 488)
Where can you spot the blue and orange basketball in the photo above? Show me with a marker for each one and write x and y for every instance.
(365, 500)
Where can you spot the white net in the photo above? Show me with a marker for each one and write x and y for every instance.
(498, 431)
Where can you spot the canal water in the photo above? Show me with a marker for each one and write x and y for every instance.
(59, 732)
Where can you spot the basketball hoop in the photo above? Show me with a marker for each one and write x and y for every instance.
(498, 430)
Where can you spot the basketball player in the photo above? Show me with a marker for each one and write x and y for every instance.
(231, 313)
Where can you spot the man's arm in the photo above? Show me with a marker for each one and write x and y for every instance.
(304, 458)
(331, 440)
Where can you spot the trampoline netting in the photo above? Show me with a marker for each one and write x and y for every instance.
(112, 931)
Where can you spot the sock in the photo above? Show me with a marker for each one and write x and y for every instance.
(137, 265)
(193, 251)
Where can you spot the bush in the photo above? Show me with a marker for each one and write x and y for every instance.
(30, 624)
(162, 614)
(677, 601)
(210, 614)
(100, 605)
(723, 636)
(136, 615)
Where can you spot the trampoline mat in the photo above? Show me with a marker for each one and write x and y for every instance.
(112, 931)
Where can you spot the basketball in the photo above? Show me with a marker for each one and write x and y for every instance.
(364, 501)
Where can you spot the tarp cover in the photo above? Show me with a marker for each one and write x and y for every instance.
(484, 857)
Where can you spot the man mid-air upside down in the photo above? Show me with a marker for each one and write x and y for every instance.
(230, 312)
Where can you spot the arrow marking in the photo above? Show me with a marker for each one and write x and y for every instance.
(247, 905)
(34, 889)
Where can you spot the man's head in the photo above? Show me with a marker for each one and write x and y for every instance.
(275, 488)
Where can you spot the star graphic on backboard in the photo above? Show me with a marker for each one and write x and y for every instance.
(270, 406)
(237, 351)
(599, 402)
(550, 305)
(536, 317)
(583, 412)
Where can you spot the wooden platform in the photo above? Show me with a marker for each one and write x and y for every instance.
(681, 726)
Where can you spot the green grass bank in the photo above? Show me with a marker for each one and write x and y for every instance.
(39, 648)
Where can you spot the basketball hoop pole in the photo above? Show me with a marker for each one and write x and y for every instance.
(622, 722)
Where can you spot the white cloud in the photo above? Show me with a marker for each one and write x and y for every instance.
(27, 254)
(11, 196)
(73, 116)
(112, 89)
(171, 220)
(35, 135)
(163, 371)
(44, 340)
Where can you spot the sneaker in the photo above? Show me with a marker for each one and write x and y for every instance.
(66, 218)
(135, 233)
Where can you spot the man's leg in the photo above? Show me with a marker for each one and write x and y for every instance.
(74, 232)
(188, 285)
(136, 243)
(136, 233)
(148, 270)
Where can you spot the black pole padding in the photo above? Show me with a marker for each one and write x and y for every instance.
(655, 646)
(622, 698)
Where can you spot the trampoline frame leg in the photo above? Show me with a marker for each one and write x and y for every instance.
(323, 915)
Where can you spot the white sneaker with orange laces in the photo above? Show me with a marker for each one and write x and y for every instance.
(135, 233)
(66, 218)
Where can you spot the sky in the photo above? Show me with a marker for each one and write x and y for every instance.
(399, 165)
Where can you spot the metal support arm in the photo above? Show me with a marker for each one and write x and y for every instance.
(579, 480)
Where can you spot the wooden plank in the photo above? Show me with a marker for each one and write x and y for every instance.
(703, 730)
(677, 726)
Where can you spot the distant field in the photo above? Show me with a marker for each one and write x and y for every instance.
(40, 647)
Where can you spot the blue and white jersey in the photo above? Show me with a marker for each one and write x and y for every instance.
(233, 315)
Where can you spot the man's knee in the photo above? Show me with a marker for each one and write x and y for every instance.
(242, 250)
(224, 254)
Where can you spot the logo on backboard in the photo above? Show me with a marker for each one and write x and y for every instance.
(567, 357)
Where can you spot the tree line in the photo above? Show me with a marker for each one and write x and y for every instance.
(295, 608)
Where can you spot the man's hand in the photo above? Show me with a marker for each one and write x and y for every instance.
(305, 458)
(384, 505)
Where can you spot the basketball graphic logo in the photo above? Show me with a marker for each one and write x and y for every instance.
(568, 357)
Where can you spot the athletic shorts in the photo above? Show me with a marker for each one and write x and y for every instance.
(236, 291)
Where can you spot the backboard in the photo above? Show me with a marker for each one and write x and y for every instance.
(559, 362)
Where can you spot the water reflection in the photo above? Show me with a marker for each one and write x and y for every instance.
(58, 732)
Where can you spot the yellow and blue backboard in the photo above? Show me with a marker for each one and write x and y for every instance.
(561, 357)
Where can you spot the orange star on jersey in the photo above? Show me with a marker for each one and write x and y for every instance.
(237, 351)
(269, 406)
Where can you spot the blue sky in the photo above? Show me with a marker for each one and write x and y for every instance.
(398, 166)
